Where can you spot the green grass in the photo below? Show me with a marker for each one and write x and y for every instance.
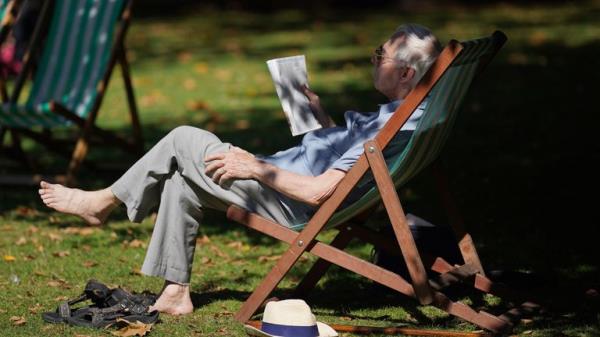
(519, 161)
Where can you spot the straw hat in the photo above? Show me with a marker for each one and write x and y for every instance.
(290, 318)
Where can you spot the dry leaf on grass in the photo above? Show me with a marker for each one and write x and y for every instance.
(83, 231)
(63, 253)
(29, 257)
(136, 244)
(136, 328)
(9, 258)
(268, 258)
(59, 283)
(18, 320)
(22, 240)
(89, 264)
(35, 309)
(32, 229)
(54, 237)
(135, 271)
(26, 211)
(204, 239)
(2, 311)
(219, 252)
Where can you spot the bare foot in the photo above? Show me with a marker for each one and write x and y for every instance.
(174, 300)
(93, 207)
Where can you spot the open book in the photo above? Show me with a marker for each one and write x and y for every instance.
(289, 74)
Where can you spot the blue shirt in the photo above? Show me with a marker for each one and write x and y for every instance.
(337, 147)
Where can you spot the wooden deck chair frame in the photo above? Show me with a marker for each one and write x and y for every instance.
(425, 290)
(87, 126)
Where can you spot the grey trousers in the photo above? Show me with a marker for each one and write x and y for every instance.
(171, 175)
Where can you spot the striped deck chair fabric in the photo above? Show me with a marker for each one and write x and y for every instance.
(74, 60)
(426, 142)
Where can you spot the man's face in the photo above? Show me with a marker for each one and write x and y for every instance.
(386, 73)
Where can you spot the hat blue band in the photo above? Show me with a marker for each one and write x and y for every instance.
(290, 330)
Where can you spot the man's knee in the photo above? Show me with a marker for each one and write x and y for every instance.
(186, 134)
(190, 141)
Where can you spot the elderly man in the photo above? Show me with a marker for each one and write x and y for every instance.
(190, 169)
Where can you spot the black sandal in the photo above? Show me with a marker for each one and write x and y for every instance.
(94, 291)
(108, 305)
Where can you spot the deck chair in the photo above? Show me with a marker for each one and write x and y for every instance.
(84, 42)
(445, 85)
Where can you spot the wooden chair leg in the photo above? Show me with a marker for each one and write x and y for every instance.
(133, 110)
(320, 267)
(465, 242)
(79, 153)
(407, 244)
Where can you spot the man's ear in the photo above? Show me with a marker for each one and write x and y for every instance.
(406, 74)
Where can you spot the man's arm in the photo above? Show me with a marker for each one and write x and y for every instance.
(240, 164)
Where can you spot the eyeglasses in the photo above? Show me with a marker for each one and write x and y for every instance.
(379, 55)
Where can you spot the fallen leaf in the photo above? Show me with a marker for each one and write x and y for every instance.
(35, 309)
(29, 257)
(136, 328)
(54, 237)
(201, 68)
(223, 313)
(78, 335)
(83, 231)
(9, 258)
(32, 229)
(184, 57)
(40, 273)
(189, 84)
(345, 318)
(63, 253)
(136, 271)
(136, 244)
(242, 124)
(89, 264)
(22, 240)
(204, 239)
(26, 211)
(2, 311)
(59, 283)
(235, 245)
(61, 298)
(18, 320)
(7, 228)
(268, 258)
(196, 105)
(218, 252)
(86, 248)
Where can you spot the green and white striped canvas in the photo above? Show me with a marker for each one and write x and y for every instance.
(431, 133)
(74, 59)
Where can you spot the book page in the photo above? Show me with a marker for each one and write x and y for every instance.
(289, 74)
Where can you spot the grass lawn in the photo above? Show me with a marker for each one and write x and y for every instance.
(520, 160)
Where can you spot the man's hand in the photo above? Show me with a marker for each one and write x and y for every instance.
(235, 164)
(315, 105)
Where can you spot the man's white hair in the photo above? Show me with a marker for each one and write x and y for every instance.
(418, 49)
